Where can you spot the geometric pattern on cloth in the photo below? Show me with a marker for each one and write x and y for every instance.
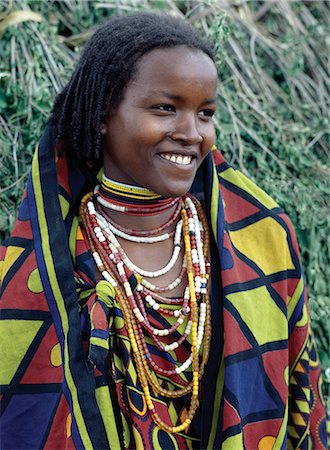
(262, 292)
(256, 314)
(302, 400)
(261, 386)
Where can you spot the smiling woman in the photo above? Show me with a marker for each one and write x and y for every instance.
(152, 295)
(162, 130)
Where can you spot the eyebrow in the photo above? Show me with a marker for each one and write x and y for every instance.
(177, 97)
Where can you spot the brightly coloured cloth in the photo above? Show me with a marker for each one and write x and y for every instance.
(261, 387)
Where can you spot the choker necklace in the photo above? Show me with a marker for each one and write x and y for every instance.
(136, 300)
(133, 200)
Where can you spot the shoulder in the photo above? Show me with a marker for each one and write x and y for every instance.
(235, 181)
(256, 225)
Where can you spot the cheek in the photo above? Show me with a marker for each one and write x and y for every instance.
(148, 132)
(209, 139)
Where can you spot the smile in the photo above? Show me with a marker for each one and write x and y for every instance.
(178, 159)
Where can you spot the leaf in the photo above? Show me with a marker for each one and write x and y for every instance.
(16, 17)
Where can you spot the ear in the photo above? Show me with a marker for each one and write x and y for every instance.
(103, 129)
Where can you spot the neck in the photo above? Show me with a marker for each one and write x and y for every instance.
(139, 222)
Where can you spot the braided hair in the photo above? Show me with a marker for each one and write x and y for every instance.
(107, 64)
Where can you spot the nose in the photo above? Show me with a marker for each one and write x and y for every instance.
(186, 130)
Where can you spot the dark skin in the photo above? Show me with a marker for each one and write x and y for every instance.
(166, 111)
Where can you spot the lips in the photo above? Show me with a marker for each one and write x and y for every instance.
(177, 158)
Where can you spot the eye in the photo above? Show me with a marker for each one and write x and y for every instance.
(164, 108)
(206, 114)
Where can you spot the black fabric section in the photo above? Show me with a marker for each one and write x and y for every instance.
(64, 193)
(261, 281)
(17, 242)
(256, 351)
(222, 167)
(38, 388)
(83, 376)
(264, 213)
(23, 314)
(209, 380)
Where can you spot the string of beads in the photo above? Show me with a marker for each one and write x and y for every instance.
(131, 200)
(193, 311)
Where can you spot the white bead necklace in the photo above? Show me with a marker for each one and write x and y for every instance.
(171, 286)
(128, 237)
(107, 233)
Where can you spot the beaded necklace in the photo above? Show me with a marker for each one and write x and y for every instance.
(132, 200)
(193, 311)
(142, 233)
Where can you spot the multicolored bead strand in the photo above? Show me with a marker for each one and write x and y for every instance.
(133, 200)
(151, 231)
(194, 308)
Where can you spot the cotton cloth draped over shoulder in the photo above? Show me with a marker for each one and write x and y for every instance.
(261, 388)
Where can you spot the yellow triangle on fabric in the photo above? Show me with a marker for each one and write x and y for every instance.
(292, 432)
(299, 368)
(298, 419)
(305, 355)
(12, 254)
(303, 406)
(289, 445)
(293, 380)
(80, 236)
(15, 336)
(301, 323)
(65, 206)
(173, 413)
(183, 415)
(307, 393)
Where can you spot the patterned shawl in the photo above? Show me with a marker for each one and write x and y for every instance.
(262, 386)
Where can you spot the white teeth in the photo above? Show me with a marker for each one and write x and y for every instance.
(179, 159)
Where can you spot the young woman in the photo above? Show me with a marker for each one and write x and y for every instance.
(152, 296)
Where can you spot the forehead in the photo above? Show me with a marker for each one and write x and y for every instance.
(175, 67)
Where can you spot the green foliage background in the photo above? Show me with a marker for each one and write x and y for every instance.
(273, 115)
